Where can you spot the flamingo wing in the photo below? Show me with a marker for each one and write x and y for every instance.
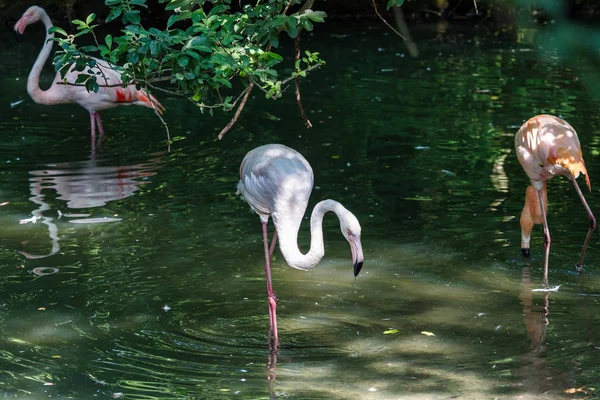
(546, 146)
(276, 177)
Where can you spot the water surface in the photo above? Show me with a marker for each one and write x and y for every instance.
(143, 278)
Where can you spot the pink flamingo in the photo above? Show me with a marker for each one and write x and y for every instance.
(105, 98)
(548, 146)
(276, 181)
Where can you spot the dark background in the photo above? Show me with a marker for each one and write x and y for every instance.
(502, 11)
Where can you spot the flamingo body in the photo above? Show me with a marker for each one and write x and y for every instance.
(107, 96)
(276, 177)
(547, 146)
(277, 181)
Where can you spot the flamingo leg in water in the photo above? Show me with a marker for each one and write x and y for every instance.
(93, 133)
(270, 293)
(99, 123)
(93, 127)
(546, 236)
(592, 227)
(273, 243)
(100, 128)
(271, 370)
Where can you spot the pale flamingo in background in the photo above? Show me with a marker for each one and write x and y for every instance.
(548, 146)
(105, 98)
(277, 181)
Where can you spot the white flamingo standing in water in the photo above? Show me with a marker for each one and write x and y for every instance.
(277, 181)
(105, 98)
(548, 146)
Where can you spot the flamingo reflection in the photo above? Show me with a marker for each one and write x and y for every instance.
(83, 184)
(537, 376)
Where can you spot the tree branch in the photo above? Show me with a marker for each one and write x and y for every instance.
(283, 82)
(297, 80)
(123, 84)
(237, 112)
(384, 21)
(164, 124)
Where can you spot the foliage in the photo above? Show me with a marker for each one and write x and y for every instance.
(203, 47)
(392, 3)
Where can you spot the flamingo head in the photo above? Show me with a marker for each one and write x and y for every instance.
(351, 231)
(31, 16)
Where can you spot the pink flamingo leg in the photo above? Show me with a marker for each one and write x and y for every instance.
(99, 123)
(93, 133)
(270, 293)
(273, 242)
(592, 227)
(100, 128)
(93, 126)
(546, 236)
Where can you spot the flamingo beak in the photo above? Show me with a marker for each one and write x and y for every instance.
(357, 253)
(22, 24)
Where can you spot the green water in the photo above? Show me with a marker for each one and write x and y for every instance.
(168, 301)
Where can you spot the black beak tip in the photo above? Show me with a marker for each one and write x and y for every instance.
(357, 267)
(525, 253)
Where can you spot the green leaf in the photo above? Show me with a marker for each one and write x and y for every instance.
(108, 41)
(82, 31)
(178, 4)
(133, 56)
(183, 61)
(56, 29)
(172, 19)
(64, 70)
(154, 49)
(78, 67)
(291, 27)
(390, 331)
(156, 32)
(392, 3)
(274, 55)
(223, 82)
(317, 16)
(132, 29)
(193, 54)
(200, 43)
(81, 78)
(112, 2)
(218, 9)
(141, 3)
(133, 17)
(103, 50)
(114, 14)
(90, 18)
(91, 85)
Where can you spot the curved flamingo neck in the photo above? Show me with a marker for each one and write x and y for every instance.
(33, 80)
(287, 231)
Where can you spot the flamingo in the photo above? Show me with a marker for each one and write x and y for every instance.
(276, 181)
(105, 98)
(546, 146)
